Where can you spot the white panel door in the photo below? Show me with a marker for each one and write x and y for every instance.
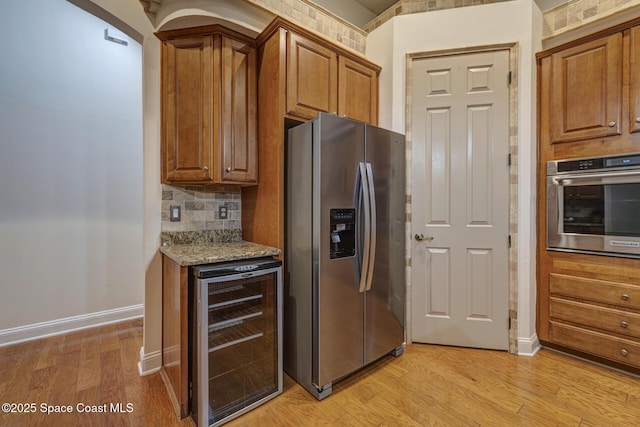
(460, 218)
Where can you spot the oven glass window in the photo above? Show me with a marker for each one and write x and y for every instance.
(584, 209)
(622, 209)
(602, 209)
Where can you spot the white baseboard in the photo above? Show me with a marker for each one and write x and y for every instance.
(528, 346)
(149, 363)
(69, 324)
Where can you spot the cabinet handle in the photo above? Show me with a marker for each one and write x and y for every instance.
(624, 352)
(228, 169)
(612, 124)
(625, 297)
(205, 168)
(638, 119)
(624, 324)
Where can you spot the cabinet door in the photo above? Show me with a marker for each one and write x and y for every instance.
(237, 149)
(187, 76)
(312, 77)
(357, 91)
(586, 90)
(634, 77)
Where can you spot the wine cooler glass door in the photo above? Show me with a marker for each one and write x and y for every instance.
(239, 363)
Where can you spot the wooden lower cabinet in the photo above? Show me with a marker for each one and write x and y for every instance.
(599, 344)
(175, 333)
(591, 304)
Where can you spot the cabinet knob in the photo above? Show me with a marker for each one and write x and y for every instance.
(624, 297)
(228, 169)
(624, 352)
(624, 324)
(638, 119)
(205, 168)
(612, 124)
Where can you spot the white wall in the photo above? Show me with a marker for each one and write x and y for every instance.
(71, 192)
(518, 21)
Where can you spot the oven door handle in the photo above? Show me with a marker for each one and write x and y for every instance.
(619, 177)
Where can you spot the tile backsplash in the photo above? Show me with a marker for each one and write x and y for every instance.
(200, 208)
(577, 13)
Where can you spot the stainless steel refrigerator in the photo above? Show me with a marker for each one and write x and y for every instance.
(344, 296)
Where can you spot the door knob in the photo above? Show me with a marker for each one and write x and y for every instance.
(420, 238)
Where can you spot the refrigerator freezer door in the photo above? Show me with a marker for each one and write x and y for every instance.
(385, 301)
(339, 145)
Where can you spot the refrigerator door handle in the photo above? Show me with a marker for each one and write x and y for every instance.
(372, 226)
(357, 202)
(367, 226)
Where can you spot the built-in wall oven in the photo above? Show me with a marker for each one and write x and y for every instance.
(593, 205)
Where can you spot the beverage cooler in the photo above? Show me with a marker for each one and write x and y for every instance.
(238, 340)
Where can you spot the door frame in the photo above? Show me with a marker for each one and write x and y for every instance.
(513, 176)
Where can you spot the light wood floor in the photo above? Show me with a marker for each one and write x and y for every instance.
(428, 385)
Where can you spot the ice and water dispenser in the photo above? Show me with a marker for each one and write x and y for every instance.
(343, 233)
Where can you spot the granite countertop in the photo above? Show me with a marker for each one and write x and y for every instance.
(206, 253)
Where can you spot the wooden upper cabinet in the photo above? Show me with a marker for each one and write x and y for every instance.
(321, 79)
(357, 91)
(634, 79)
(236, 150)
(312, 77)
(209, 109)
(187, 105)
(586, 90)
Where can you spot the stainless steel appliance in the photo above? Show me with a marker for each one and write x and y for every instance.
(238, 362)
(345, 249)
(593, 205)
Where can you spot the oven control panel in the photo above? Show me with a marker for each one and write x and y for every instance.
(594, 163)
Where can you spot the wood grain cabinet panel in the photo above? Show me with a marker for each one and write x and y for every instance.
(209, 108)
(357, 91)
(236, 151)
(599, 291)
(634, 79)
(604, 318)
(586, 90)
(612, 348)
(312, 77)
(187, 101)
(175, 330)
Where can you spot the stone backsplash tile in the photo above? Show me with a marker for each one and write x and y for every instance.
(200, 208)
(314, 17)
(406, 7)
(575, 13)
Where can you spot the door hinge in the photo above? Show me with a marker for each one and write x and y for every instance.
(509, 159)
(509, 78)
(509, 240)
(509, 323)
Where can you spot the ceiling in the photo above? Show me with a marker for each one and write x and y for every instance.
(376, 6)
